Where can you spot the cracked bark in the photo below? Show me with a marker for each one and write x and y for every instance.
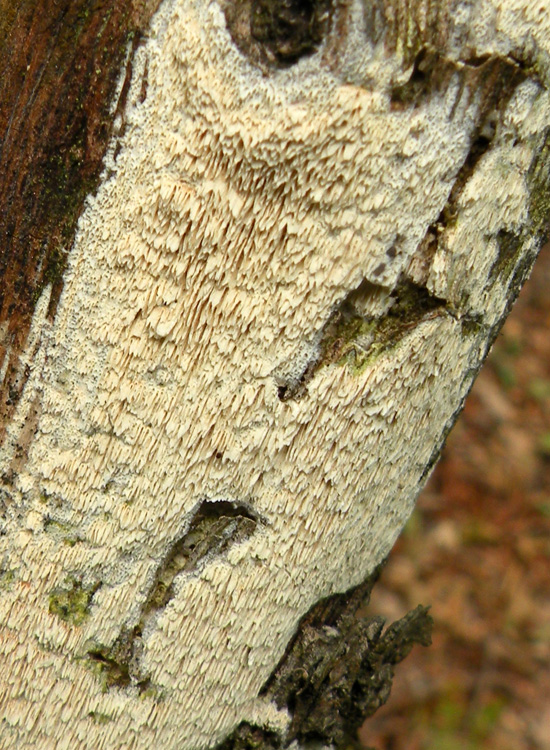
(336, 672)
(253, 256)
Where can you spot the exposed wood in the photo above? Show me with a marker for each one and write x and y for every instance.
(311, 222)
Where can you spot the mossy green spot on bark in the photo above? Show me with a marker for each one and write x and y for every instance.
(7, 577)
(354, 339)
(512, 265)
(538, 179)
(71, 602)
(357, 341)
(471, 326)
(509, 250)
(100, 718)
(347, 334)
(117, 665)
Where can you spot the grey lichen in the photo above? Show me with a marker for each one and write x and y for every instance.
(62, 532)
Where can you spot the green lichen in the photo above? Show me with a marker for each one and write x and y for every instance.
(100, 718)
(55, 502)
(7, 577)
(71, 602)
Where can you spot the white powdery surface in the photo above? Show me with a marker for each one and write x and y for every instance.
(240, 210)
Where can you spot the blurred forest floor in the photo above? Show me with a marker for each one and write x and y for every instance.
(477, 549)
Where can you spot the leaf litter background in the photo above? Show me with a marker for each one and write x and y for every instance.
(477, 549)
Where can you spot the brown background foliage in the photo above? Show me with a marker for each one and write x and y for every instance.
(478, 550)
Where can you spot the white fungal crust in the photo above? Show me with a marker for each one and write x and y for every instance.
(237, 211)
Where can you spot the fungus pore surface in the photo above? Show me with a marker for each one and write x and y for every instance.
(277, 215)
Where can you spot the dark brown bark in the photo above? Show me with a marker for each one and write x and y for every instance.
(60, 61)
(336, 672)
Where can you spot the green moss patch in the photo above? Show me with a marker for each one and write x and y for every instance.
(100, 718)
(356, 341)
(7, 577)
(71, 602)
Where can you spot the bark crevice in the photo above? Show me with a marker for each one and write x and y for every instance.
(351, 337)
(213, 529)
(277, 33)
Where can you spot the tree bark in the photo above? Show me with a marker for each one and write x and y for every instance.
(253, 255)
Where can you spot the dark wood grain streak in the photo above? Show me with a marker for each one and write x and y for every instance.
(60, 61)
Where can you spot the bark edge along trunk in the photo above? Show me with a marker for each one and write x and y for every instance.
(224, 401)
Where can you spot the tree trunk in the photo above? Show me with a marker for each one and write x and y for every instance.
(254, 253)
